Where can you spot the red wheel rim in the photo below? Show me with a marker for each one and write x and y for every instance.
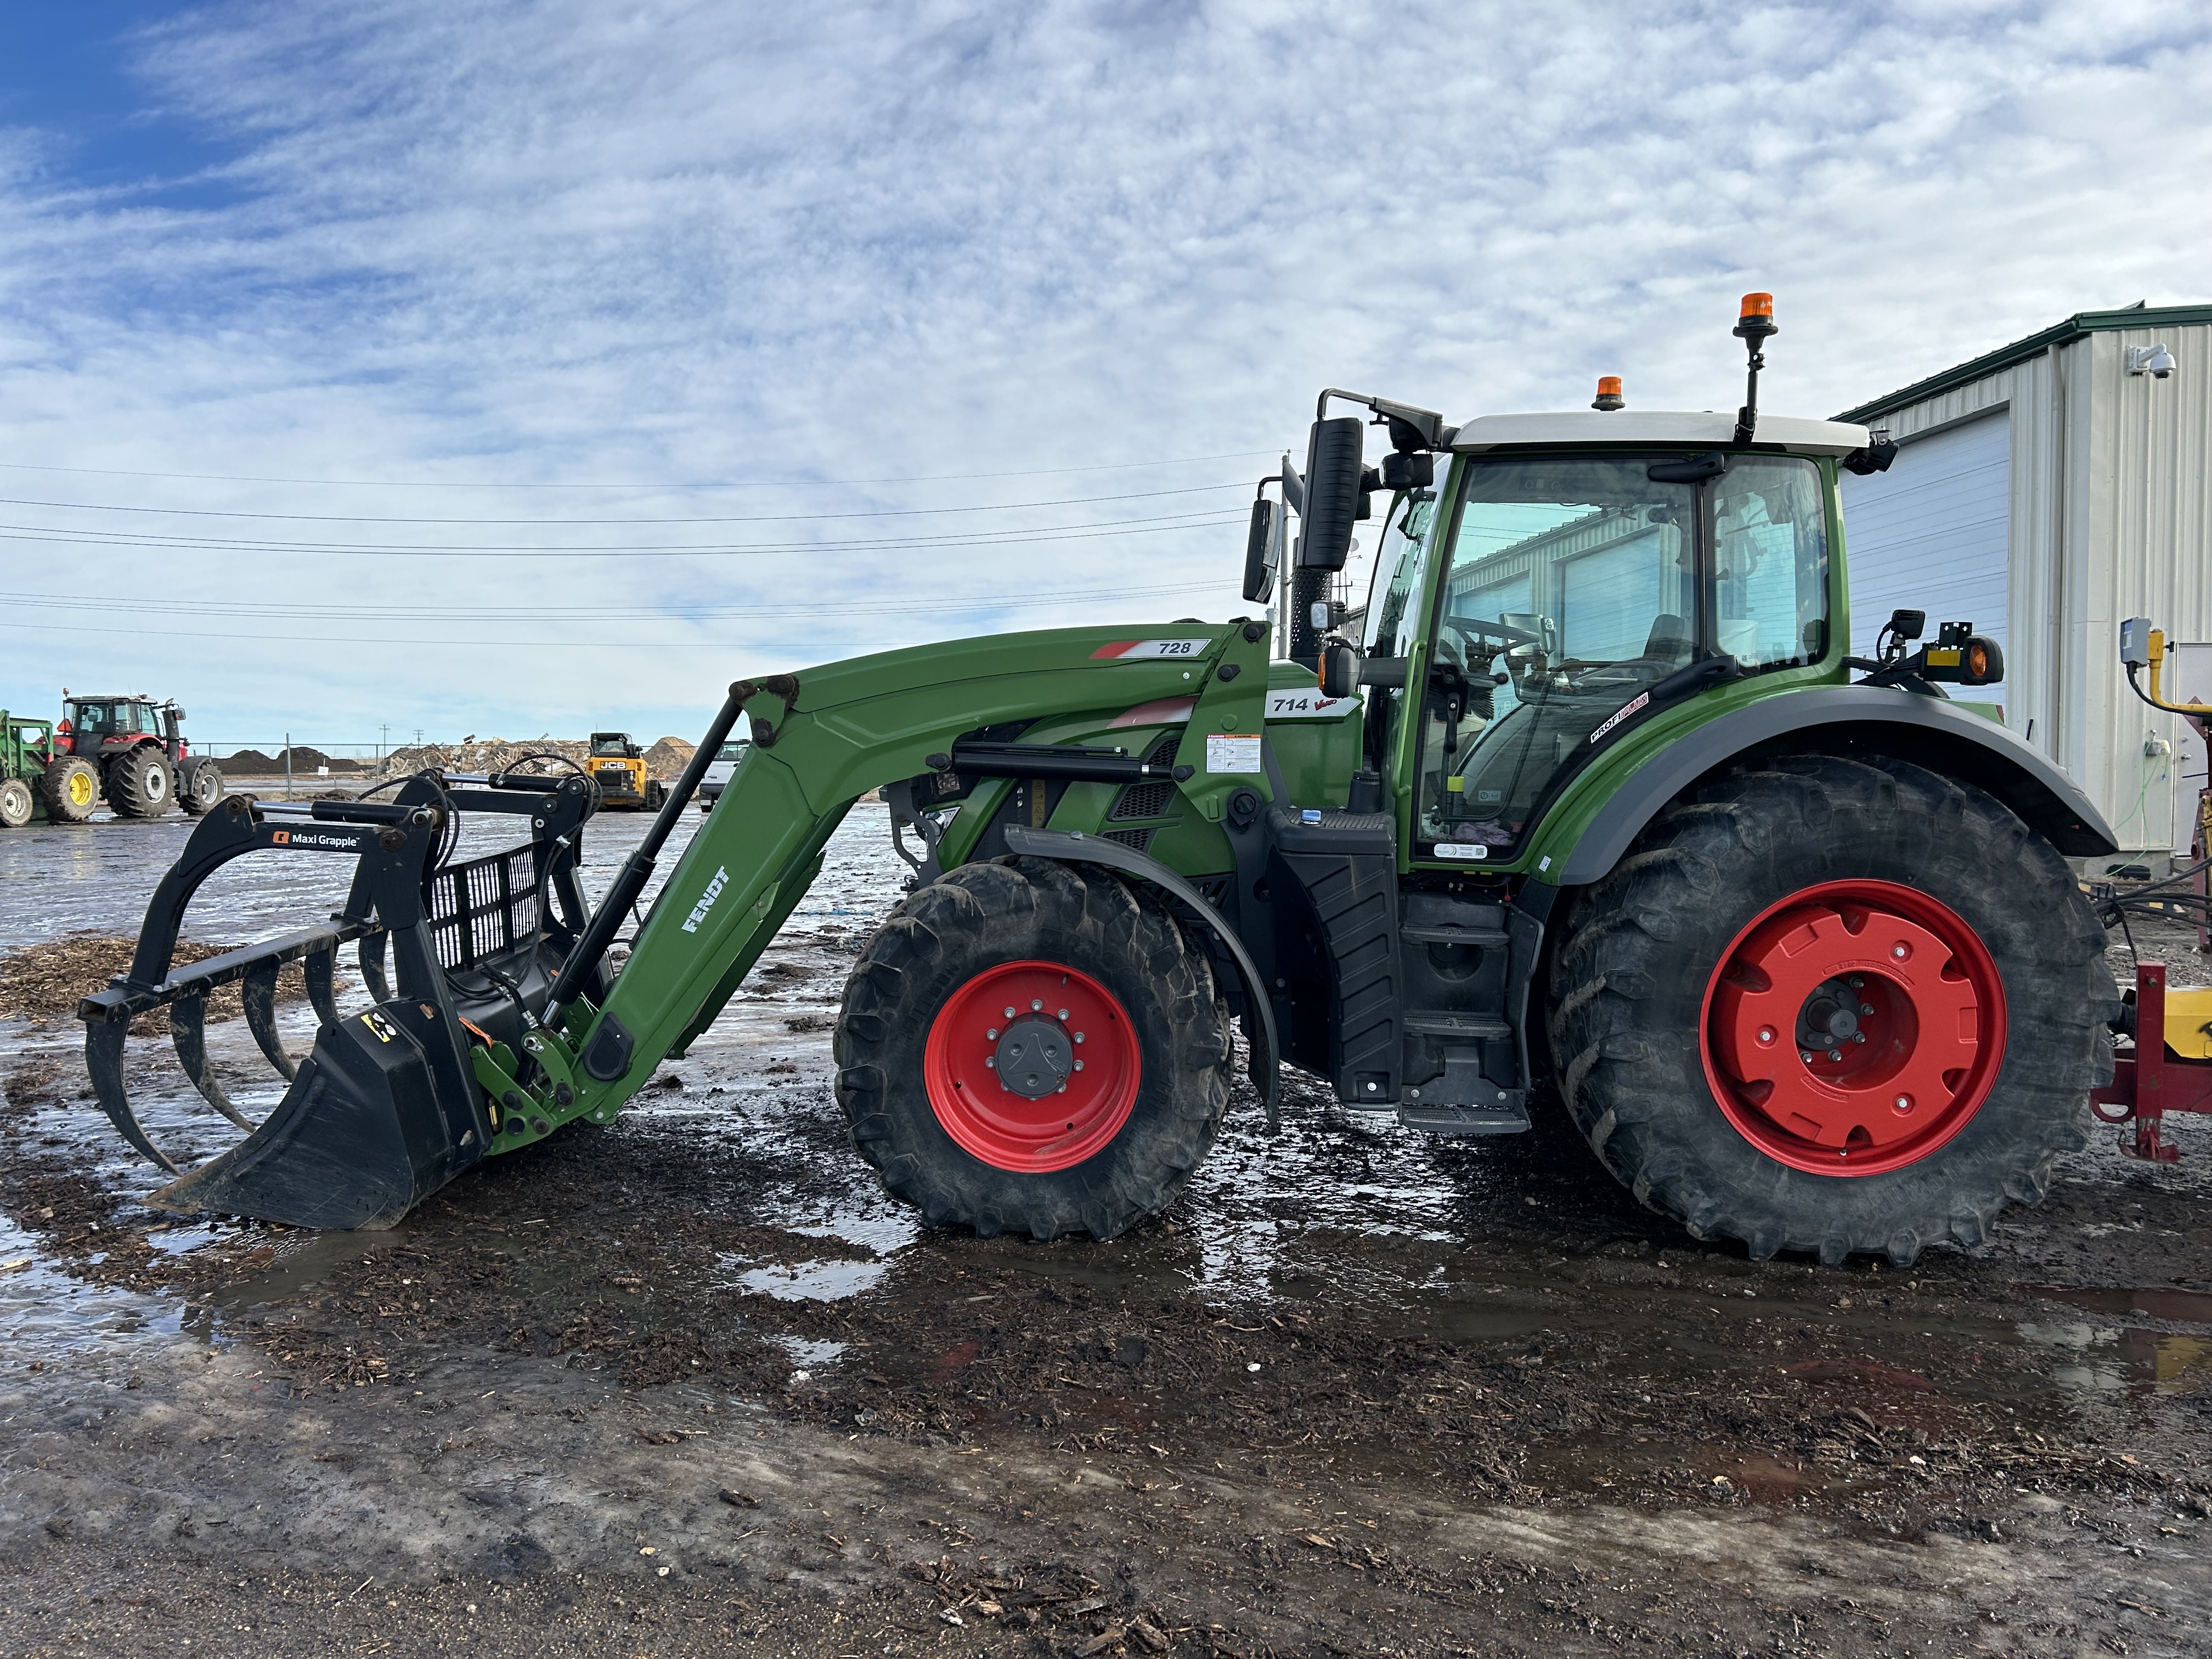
(1853, 960)
(1096, 1059)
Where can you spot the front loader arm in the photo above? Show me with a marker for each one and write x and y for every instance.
(852, 726)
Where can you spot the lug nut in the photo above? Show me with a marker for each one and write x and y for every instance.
(1858, 1036)
(1866, 1007)
(991, 1035)
(1805, 1056)
(1765, 1034)
(1835, 1054)
(1078, 1065)
(1857, 980)
(1905, 1102)
(1079, 1036)
(1063, 1013)
(1900, 950)
(1010, 1013)
(1036, 1004)
(990, 1061)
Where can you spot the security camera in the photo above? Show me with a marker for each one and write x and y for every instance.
(2154, 361)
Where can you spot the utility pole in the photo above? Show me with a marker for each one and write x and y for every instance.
(383, 744)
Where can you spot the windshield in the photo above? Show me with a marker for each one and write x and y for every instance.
(732, 752)
(615, 746)
(1572, 587)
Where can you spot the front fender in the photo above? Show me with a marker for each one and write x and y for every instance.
(1845, 719)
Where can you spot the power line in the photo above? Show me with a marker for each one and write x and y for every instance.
(642, 488)
(756, 518)
(251, 609)
(62, 536)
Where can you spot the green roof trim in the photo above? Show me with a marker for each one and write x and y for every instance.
(2080, 325)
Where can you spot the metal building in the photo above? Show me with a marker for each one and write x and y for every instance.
(2045, 492)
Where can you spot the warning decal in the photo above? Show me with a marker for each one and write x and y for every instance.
(1232, 753)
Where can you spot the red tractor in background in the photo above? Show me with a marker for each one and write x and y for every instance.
(133, 750)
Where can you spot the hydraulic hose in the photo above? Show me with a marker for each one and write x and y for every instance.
(637, 868)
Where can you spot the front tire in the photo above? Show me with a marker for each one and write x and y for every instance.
(1070, 950)
(72, 790)
(15, 803)
(140, 784)
(1940, 947)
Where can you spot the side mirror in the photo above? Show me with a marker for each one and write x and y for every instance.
(1263, 551)
(1332, 492)
(1339, 674)
(1409, 471)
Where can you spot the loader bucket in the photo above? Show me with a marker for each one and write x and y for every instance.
(385, 1109)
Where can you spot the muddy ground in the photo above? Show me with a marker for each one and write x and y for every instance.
(688, 1384)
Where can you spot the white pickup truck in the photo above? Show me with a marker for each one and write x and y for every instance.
(719, 770)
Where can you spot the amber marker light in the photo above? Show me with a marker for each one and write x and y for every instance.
(1608, 393)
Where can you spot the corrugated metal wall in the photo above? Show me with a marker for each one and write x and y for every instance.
(2112, 517)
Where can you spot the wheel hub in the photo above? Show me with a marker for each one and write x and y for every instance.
(1032, 1066)
(1854, 1028)
(1034, 1057)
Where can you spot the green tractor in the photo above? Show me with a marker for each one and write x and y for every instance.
(26, 749)
(1594, 813)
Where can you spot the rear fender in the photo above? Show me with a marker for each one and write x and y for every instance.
(1848, 720)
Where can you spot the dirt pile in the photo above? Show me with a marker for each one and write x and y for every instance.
(46, 982)
(666, 759)
(252, 762)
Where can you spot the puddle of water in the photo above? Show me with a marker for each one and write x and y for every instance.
(808, 1351)
(45, 1314)
(2103, 1359)
(2152, 1302)
(814, 1281)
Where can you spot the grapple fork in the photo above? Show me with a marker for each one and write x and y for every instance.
(385, 1109)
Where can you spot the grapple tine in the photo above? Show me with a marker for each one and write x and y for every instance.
(258, 990)
(369, 952)
(103, 1058)
(187, 1029)
(318, 965)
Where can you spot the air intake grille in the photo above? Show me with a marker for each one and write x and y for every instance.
(1143, 800)
(1135, 840)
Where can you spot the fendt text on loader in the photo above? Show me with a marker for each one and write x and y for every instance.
(1594, 805)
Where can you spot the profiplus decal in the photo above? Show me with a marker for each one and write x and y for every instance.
(1620, 715)
(706, 901)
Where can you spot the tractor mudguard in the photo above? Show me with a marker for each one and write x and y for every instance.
(1260, 1015)
(1843, 720)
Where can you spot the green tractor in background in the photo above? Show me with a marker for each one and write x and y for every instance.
(1593, 806)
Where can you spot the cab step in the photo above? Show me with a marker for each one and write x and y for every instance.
(1455, 1025)
(1508, 1117)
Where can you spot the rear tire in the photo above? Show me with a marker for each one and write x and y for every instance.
(1650, 1010)
(200, 786)
(15, 803)
(72, 790)
(140, 784)
(1145, 1112)
(653, 796)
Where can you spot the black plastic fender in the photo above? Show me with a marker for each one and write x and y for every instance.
(1845, 719)
(1073, 846)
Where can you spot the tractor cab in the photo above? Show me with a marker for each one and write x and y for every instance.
(100, 727)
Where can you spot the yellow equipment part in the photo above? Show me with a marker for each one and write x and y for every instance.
(2189, 1021)
(624, 775)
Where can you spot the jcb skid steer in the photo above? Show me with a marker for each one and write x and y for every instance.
(1593, 799)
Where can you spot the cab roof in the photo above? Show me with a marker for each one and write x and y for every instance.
(1704, 427)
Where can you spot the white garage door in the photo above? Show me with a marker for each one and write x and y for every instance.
(1930, 534)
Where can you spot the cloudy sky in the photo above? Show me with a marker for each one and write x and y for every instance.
(478, 367)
